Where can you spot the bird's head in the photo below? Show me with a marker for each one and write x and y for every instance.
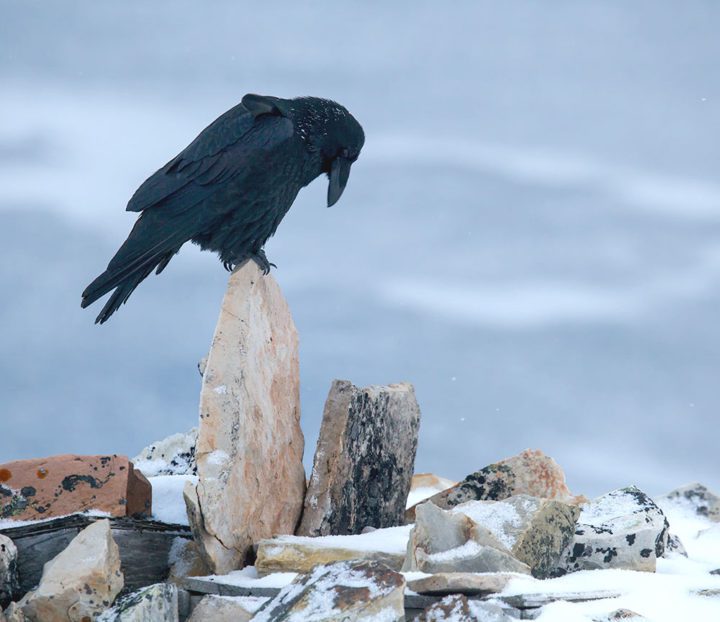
(331, 135)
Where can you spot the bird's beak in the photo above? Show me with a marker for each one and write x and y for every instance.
(339, 174)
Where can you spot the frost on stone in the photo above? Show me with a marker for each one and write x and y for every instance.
(362, 590)
(622, 529)
(174, 455)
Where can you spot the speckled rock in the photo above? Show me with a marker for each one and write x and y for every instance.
(695, 497)
(622, 529)
(8, 570)
(620, 615)
(61, 485)
(492, 536)
(530, 473)
(364, 460)
(444, 541)
(457, 608)
(80, 582)
(301, 554)
(174, 455)
(155, 603)
(226, 608)
(340, 592)
(251, 481)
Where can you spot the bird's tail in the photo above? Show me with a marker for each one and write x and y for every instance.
(128, 268)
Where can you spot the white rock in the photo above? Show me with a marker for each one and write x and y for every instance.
(155, 603)
(696, 498)
(174, 455)
(80, 582)
(8, 570)
(13, 614)
(344, 591)
(226, 608)
(622, 529)
(249, 452)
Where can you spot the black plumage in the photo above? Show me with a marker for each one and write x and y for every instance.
(228, 190)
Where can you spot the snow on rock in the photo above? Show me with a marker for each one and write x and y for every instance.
(155, 603)
(530, 473)
(302, 553)
(425, 485)
(443, 541)
(255, 488)
(694, 497)
(492, 536)
(174, 455)
(457, 608)
(168, 501)
(81, 581)
(348, 591)
(622, 529)
(214, 608)
(364, 459)
(8, 570)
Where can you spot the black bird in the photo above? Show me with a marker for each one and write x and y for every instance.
(228, 190)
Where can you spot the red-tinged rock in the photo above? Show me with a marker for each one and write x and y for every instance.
(61, 485)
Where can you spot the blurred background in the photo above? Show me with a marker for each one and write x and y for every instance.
(531, 235)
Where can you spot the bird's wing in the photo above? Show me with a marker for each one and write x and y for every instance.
(221, 151)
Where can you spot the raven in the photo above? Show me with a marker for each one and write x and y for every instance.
(228, 190)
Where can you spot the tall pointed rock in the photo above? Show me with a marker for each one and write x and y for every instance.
(251, 479)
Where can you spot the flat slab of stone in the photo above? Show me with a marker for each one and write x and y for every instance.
(364, 459)
(530, 473)
(60, 485)
(251, 481)
(468, 583)
(347, 591)
(301, 553)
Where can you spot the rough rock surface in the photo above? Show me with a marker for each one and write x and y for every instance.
(364, 459)
(457, 608)
(60, 485)
(80, 582)
(155, 603)
(622, 529)
(530, 473)
(492, 536)
(226, 608)
(8, 570)
(185, 560)
(174, 455)
(468, 583)
(344, 591)
(249, 451)
(625, 615)
(14, 614)
(302, 554)
(696, 497)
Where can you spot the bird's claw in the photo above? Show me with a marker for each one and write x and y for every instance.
(262, 261)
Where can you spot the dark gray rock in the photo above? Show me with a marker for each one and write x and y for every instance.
(8, 571)
(364, 460)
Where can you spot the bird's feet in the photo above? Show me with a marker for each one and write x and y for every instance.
(259, 258)
(262, 261)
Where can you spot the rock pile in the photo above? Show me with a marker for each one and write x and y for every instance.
(345, 549)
